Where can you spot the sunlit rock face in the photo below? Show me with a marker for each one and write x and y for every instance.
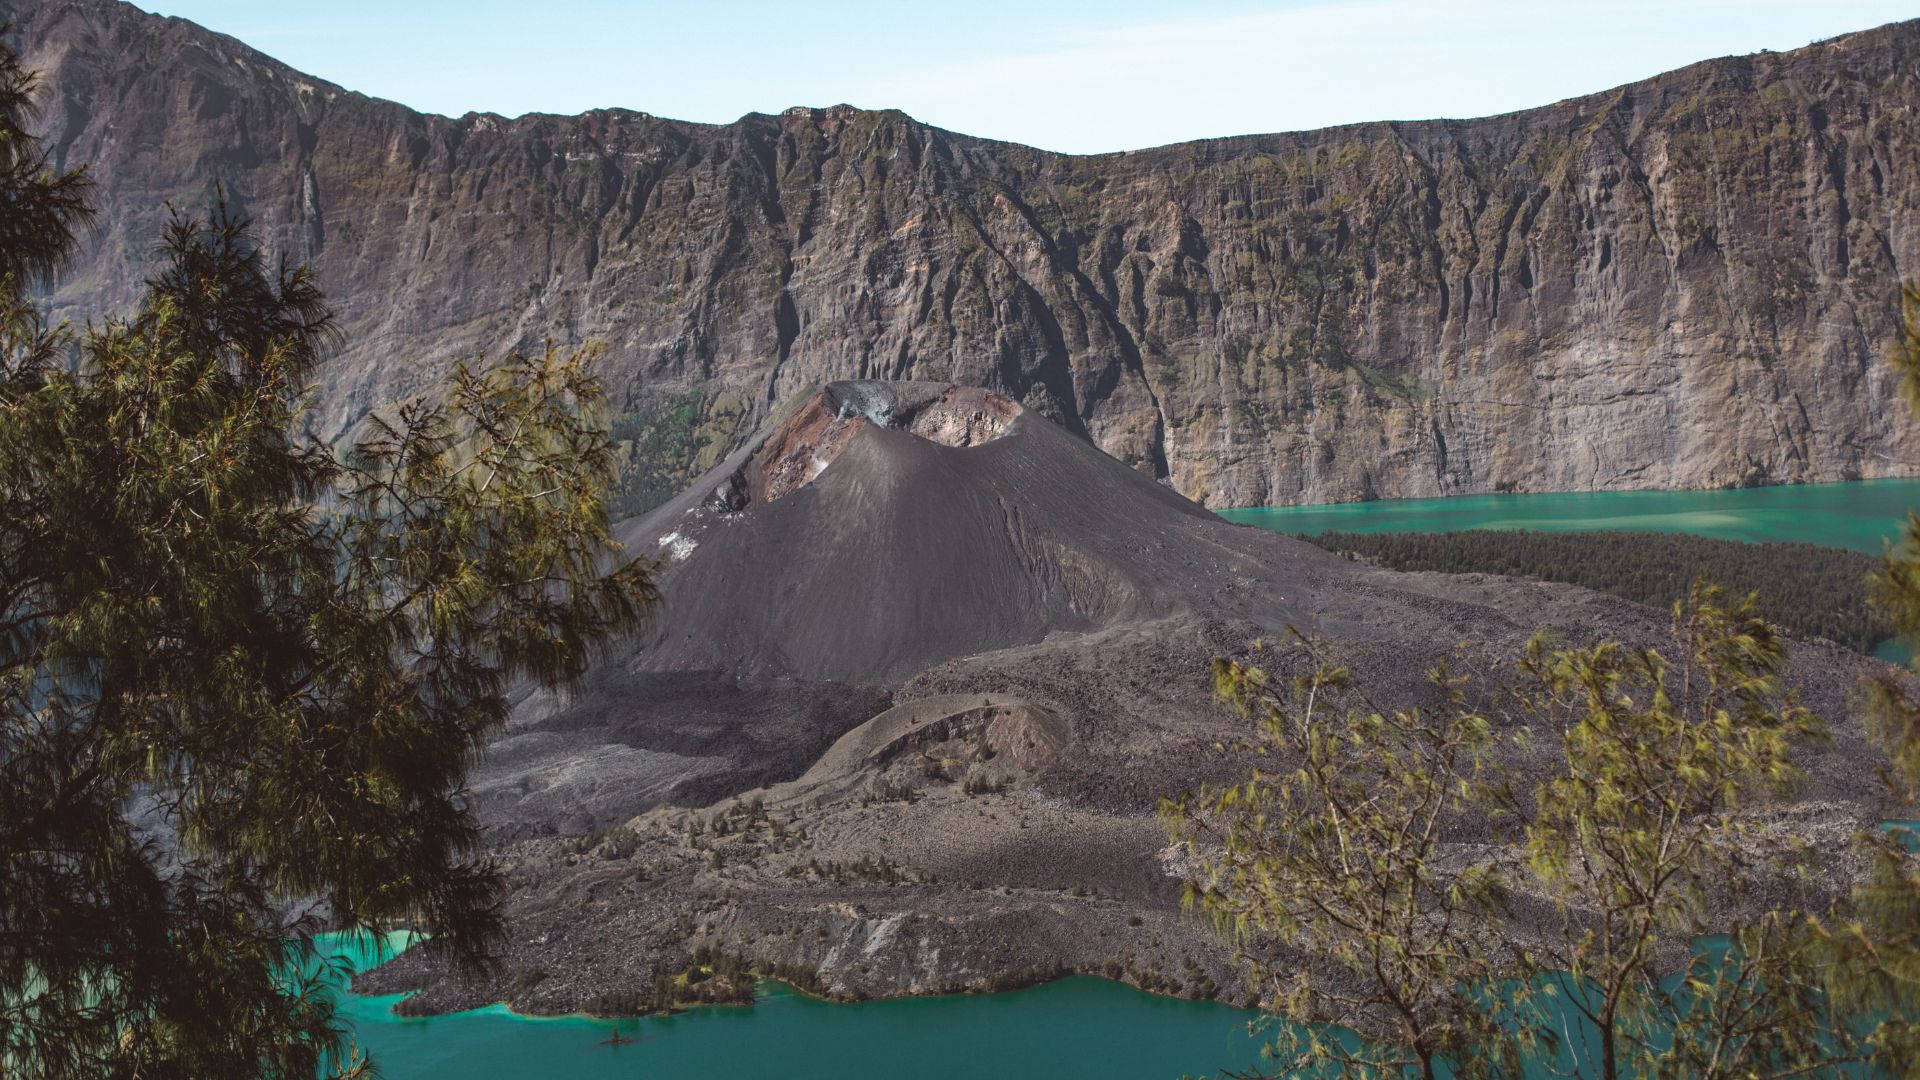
(801, 447)
(1689, 281)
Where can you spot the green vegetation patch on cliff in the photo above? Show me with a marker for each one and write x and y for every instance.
(1811, 590)
(660, 450)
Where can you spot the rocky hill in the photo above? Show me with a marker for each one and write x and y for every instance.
(882, 528)
(1688, 281)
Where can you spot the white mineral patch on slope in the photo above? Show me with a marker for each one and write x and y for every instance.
(678, 547)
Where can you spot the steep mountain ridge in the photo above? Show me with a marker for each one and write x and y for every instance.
(1688, 281)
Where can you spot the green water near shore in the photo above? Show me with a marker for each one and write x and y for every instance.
(1074, 1027)
(1859, 516)
(1862, 516)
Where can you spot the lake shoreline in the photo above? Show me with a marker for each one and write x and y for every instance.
(1102, 1020)
(1893, 477)
(897, 1031)
(504, 1008)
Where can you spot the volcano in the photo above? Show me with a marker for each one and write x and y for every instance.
(877, 542)
(880, 528)
(926, 664)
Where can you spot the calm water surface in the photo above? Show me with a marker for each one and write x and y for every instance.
(1077, 1027)
(1859, 515)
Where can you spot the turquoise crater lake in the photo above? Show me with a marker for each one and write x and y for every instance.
(1076, 1027)
(1860, 515)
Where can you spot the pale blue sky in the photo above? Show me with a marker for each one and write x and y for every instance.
(1084, 76)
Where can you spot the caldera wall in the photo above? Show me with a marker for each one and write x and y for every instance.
(1689, 281)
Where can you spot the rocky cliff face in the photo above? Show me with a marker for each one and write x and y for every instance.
(1685, 282)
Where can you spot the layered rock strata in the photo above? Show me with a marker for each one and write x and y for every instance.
(1685, 282)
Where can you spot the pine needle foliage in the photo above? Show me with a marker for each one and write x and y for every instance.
(40, 209)
(1877, 943)
(1639, 841)
(1525, 869)
(1339, 848)
(243, 676)
(1762, 1007)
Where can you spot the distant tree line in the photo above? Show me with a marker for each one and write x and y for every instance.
(1809, 590)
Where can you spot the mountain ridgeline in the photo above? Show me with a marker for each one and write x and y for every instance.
(1685, 282)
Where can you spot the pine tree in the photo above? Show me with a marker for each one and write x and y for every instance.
(1643, 832)
(1388, 875)
(243, 675)
(1876, 946)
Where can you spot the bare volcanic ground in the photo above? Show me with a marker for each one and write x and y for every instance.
(882, 528)
(927, 665)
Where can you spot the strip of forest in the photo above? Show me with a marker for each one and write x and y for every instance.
(1810, 590)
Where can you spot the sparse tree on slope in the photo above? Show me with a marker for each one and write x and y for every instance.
(241, 679)
(1644, 831)
(1339, 848)
(1362, 848)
